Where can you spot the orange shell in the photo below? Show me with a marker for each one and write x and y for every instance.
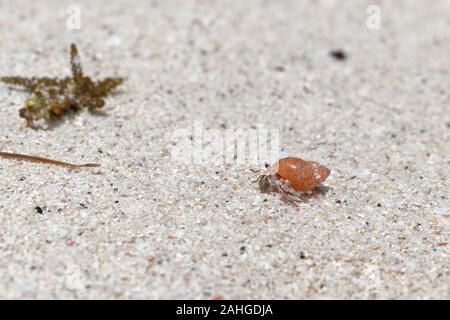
(303, 175)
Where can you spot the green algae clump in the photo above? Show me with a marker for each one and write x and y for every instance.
(51, 98)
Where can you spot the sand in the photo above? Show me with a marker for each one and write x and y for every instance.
(147, 226)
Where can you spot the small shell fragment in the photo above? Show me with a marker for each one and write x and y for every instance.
(442, 211)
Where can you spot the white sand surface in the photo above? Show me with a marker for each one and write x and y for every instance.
(145, 226)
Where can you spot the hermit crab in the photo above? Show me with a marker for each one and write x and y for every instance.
(292, 177)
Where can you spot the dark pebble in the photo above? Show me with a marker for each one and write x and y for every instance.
(338, 55)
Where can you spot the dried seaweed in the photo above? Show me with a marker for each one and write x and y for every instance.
(35, 159)
(52, 98)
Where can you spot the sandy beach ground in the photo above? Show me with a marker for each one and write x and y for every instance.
(145, 225)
